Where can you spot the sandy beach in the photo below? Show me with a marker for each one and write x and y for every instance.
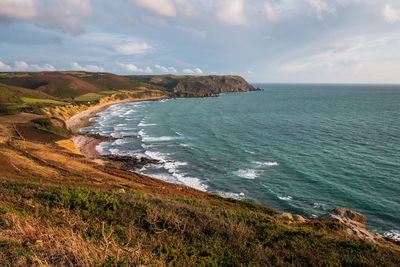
(86, 145)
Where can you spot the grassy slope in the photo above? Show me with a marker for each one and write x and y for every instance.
(54, 83)
(59, 208)
(34, 91)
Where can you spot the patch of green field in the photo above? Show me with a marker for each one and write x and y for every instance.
(30, 100)
(109, 92)
(18, 106)
(88, 97)
(13, 74)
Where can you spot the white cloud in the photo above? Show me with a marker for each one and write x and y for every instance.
(391, 15)
(132, 68)
(350, 56)
(270, 12)
(198, 33)
(166, 69)
(65, 13)
(91, 68)
(18, 9)
(23, 66)
(250, 72)
(132, 48)
(161, 7)
(320, 6)
(4, 67)
(194, 71)
(169, 8)
(188, 71)
(232, 13)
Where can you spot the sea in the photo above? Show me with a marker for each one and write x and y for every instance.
(299, 148)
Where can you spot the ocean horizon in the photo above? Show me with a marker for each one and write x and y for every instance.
(300, 148)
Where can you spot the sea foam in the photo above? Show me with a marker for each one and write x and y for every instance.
(172, 166)
(393, 234)
(285, 197)
(247, 174)
(146, 138)
(268, 163)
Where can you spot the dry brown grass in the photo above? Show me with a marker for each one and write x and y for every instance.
(51, 245)
(69, 145)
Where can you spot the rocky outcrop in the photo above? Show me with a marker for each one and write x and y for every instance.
(291, 218)
(212, 85)
(354, 222)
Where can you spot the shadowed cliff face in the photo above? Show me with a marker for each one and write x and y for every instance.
(195, 86)
(213, 85)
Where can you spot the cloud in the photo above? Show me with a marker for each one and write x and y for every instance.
(232, 13)
(194, 71)
(350, 55)
(186, 9)
(166, 69)
(132, 48)
(161, 7)
(391, 15)
(188, 71)
(48, 13)
(23, 66)
(169, 8)
(4, 67)
(320, 6)
(270, 12)
(132, 68)
(18, 9)
(91, 68)
(66, 12)
(155, 21)
(198, 33)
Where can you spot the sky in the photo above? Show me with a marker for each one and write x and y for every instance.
(305, 41)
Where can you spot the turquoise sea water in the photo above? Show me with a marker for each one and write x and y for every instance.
(303, 149)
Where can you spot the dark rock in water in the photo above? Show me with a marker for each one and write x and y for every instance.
(354, 222)
(128, 162)
(100, 137)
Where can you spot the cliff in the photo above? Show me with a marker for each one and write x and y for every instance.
(209, 85)
(196, 86)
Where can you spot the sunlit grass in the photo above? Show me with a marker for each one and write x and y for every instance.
(30, 100)
(88, 97)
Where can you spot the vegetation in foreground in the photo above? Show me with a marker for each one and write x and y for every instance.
(77, 226)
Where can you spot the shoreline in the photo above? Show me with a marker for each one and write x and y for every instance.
(81, 120)
(86, 145)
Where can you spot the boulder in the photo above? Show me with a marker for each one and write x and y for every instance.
(340, 214)
(285, 216)
(354, 222)
(299, 219)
